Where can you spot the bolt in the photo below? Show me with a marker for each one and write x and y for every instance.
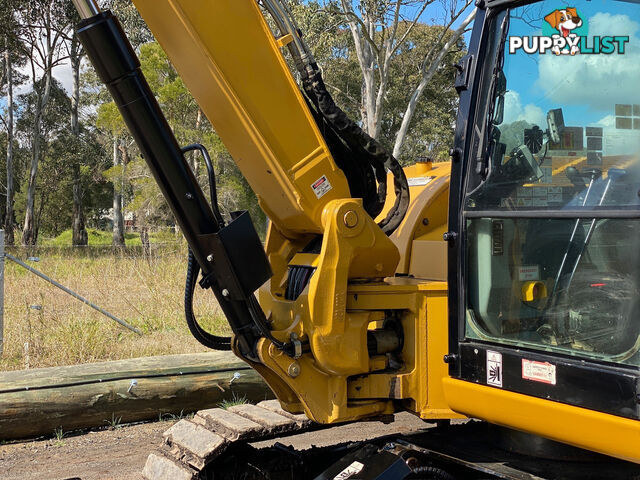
(350, 219)
(450, 358)
(425, 221)
(294, 370)
(225, 292)
(450, 236)
(188, 196)
(210, 258)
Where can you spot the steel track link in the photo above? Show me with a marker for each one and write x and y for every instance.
(191, 445)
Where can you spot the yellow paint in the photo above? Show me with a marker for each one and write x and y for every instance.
(230, 61)
(284, 40)
(533, 291)
(228, 58)
(588, 429)
(563, 167)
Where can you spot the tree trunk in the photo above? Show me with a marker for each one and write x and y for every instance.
(37, 401)
(8, 219)
(144, 240)
(79, 232)
(30, 230)
(427, 75)
(118, 219)
(196, 155)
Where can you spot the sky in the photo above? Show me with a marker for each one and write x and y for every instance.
(586, 87)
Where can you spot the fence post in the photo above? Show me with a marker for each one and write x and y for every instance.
(1, 292)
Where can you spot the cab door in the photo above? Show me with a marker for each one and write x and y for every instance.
(544, 224)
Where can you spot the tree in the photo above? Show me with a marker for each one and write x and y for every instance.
(330, 38)
(109, 119)
(57, 146)
(79, 233)
(13, 58)
(380, 32)
(44, 23)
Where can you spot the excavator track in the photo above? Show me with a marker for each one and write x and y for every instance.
(193, 444)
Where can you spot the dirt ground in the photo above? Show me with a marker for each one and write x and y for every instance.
(121, 453)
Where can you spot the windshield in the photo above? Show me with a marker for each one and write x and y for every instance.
(554, 189)
(566, 109)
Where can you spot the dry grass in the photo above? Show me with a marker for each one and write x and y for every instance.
(46, 327)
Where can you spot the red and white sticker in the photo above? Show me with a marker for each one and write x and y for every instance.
(543, 372)
(321, 186)
(528, 273)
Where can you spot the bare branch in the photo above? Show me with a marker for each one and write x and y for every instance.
(426, 78)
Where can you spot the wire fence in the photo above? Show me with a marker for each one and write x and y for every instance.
(44, 325)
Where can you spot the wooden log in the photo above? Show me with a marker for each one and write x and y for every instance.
(39, 401)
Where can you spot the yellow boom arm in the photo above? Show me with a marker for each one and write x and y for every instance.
(228, 58)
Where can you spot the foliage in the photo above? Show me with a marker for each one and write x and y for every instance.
(233, 401)
(141, 287)
(327, 32)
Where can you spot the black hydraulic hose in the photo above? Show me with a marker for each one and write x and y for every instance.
(432, 473)
(212, 179)
(205, 338)
(351, 132)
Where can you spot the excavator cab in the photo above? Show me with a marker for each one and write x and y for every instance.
(544, 269)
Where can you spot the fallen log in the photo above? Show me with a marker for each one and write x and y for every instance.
(39, 401)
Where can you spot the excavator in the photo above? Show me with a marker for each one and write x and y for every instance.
(501, 286)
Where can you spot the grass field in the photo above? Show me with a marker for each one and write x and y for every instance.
(43, 326)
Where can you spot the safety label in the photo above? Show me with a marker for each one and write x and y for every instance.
(539, 371)
(527, 273)
(419, 181)
(494, 368)
(321, 186)
(355, 467)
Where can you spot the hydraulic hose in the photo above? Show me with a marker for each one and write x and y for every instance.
(353, 134)
(205, 338)
(431, 473)
(360, 152)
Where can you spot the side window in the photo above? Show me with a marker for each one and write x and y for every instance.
(566, 109)
(563, 145)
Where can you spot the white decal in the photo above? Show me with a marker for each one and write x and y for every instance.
(355, 467)
(494, 368)
(527, 273)
(419, 181)
(539, 371)
(321, 186)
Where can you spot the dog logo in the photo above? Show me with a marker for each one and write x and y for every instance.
(565, 21)
(565, 33)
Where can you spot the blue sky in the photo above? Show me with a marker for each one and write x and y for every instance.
(586, 87)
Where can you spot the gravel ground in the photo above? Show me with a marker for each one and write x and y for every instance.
(121, 453)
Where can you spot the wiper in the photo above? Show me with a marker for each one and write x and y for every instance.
(483, 160)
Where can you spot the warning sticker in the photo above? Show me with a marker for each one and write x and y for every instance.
(419, 181)
(528, 273)
(539, 371)
(494, 368)
(355, 467)
(321, 186)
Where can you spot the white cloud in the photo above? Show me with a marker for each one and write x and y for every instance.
(514, 111)
(598, 81)
(608, 121)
